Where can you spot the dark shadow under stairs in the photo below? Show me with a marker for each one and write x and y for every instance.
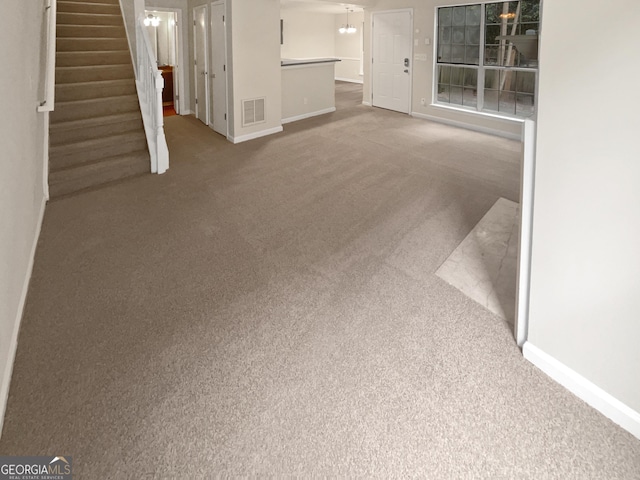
(96, 131)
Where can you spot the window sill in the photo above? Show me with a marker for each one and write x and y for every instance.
(497, 116)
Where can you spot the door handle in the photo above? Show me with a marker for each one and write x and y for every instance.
(406, 62)
(406, 71)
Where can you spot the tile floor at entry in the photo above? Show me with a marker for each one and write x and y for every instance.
(484, 266)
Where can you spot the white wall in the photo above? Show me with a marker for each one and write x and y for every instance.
(585, 271)
(307, 34)
(22, 136)
(422, 71)
(348, 47)
(253, 61)
(307, 90)
(255, 40)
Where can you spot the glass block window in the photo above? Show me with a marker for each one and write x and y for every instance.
(487, 56)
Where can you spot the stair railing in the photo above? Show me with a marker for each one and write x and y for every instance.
(149, 83)
(47, 103)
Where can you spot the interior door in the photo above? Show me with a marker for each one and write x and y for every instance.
(176, 67)
(218, 68)
(201, 63)
(392, 62)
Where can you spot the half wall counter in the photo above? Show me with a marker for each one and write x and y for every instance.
(308, 87)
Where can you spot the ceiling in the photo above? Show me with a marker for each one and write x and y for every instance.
(323, 6)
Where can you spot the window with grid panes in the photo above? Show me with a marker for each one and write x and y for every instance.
(487, 56)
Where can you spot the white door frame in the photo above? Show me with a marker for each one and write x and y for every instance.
(411, 59)
(183, 108)
(226, 61)
(206, 60)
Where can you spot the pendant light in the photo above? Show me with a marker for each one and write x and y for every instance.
(348, 28)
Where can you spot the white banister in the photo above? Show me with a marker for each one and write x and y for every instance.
(149, 84)
(47, 102)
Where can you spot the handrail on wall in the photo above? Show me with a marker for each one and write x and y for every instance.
(48, 103)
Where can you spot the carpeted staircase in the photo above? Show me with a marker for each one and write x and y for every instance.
(96, 131)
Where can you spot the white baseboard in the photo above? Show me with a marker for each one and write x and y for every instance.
(584, 389)
(476, 128)
(308, 115)
(251, 136)
(13, 342)
(185, 112)
(367, 104)
(350, 80)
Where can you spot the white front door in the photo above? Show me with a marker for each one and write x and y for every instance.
(218, 68)
(201, 63)
(392, 62)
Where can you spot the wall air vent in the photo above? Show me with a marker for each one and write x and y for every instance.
(252, 111)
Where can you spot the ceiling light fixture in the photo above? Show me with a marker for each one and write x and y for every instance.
(152, 20)
(348, 28)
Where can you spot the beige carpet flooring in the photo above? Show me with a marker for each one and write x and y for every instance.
(271, 309)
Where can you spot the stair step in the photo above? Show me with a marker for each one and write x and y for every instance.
(78, 44)
(89, 151)
(103, 173)
(96, 127)
(82, 18)
(91, 31)
(66, 92)
(96, 135)
(78, 59)
(103, 2)
(79, 109)
(93, 73)
(68, 6)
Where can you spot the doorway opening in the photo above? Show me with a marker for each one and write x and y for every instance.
(219, 100)
(210, 65)
(164, 34)
(201, 63)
